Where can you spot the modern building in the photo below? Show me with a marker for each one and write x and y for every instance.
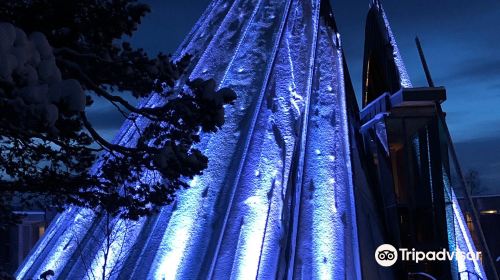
(301, 183)
(17, 240)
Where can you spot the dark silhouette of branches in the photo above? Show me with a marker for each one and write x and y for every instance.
(54, 54)
(111, 237)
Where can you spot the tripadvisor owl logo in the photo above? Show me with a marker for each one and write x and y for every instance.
(386, 255)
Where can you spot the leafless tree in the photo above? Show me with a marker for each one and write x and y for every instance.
(111, 236)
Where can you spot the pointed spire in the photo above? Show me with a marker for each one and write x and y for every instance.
(398, 60)
(375, 3)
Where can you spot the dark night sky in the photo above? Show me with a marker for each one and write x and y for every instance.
(460, 39)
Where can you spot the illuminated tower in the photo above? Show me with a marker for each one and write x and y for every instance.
(415, 179)
(285, 194)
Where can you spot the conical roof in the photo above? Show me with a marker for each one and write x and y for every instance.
(277, 198)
